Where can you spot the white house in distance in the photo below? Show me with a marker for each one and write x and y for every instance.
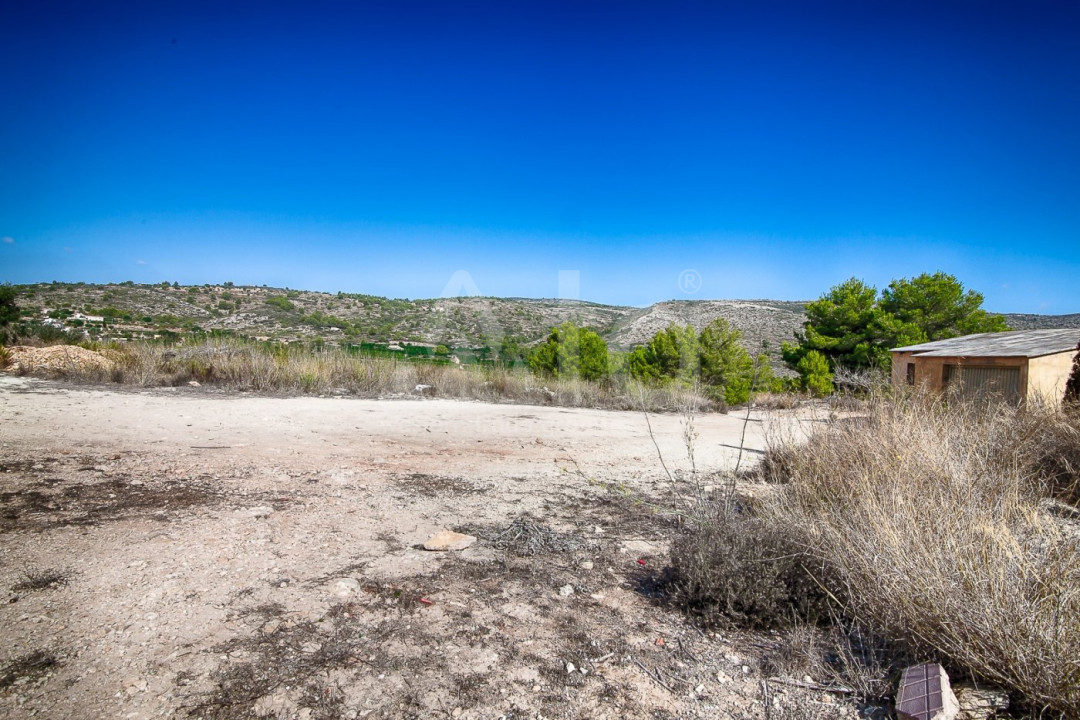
(1018, 366)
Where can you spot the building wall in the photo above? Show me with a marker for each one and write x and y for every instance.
(930, 371)
(1047, 376)
(900, 362)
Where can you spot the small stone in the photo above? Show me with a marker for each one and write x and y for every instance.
(597, 596)
(310, 647)
(456, 712)
(536, 688)
(570, 668)
(807, 679)
(566, 590)
(746, 669)
(699, 689)
(723, 678)
(587, 565)
(448, 540)
(261, 512)
(733, 659)
(639, 547)
(271, 626)
(194, 383)
(979, 704)
(345, 587)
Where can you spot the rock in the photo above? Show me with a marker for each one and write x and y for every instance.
(194, 383)
(448, 540)
(566, 590)
(261, 512)
(723, 678)
(311, 647)
(345, 587)
(587, 565)
(640, 547)
(980, 704)
(456, 712)
(425, 390)
(570, 668)
(925, 694)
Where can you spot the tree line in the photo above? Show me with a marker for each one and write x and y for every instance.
(851, 326)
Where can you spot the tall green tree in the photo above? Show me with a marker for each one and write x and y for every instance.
(839, 326)
(727, 370)
(935, 307)
(570, 351)
(851, 326)
(716, 358)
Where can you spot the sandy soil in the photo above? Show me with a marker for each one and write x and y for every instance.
(191, 554)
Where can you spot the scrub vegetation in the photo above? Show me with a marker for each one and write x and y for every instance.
(908, 530)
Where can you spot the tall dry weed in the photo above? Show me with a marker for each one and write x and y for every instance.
(237, 364)
(929, 518)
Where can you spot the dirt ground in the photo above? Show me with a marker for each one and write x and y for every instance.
(184, 553)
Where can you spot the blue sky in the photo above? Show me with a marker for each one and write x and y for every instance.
(775, 149)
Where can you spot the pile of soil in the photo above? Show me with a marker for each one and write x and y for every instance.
(54, 361)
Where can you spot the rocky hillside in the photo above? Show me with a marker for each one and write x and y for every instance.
(284, 314)
(129, 310)
(1021, 321)
(769, 321)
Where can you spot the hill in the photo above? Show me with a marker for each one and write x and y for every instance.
(127, 310)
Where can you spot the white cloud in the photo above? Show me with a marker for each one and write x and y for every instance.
(140, 262)
(7, 240)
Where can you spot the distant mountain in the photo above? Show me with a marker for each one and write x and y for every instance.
(1024, 321)
(283, 314)
(768, 321)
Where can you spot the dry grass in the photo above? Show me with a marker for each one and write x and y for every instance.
(929, 518)
(730, 567)
(279, 369)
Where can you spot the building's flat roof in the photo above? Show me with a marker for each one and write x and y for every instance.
(1021, 343)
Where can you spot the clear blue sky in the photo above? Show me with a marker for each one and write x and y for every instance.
(774, 148)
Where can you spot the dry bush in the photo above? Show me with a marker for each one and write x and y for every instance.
(928, 517)
(732, 568)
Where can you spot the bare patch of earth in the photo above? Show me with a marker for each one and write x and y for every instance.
(182, 555)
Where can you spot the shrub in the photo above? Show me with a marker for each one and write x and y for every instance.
(815, 375)
(931, 521)
(671, 354)
(281, 303)
(732, 568)
(9, 309)
(571, 351)
(1072, 386)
